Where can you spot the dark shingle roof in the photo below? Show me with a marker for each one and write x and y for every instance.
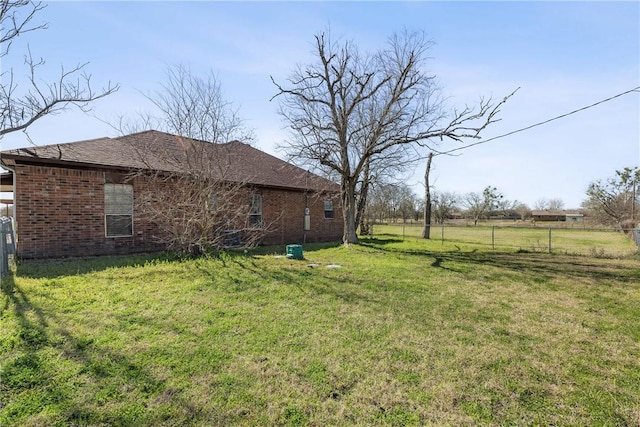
(154, 150)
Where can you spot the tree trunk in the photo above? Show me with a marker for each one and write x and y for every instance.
(362, 200)
(426, 232)
(349, 210)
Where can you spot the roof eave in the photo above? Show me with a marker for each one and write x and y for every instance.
(17, 159)
(29, 160)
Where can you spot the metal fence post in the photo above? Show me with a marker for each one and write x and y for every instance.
(4, 255)
(4, 252)
(6, 248)
(549, 239)
(493, 237)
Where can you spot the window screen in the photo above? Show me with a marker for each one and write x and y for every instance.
(118, 210)
(328, 209)
(255, 211)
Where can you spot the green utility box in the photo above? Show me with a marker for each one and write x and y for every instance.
(294, 251)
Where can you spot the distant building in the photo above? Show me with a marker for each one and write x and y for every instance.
(556, 215)
(574, 217)
(505, 216)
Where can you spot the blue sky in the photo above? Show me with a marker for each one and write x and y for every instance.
(562, 55)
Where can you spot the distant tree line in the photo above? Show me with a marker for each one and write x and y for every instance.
(397, 202)
(614, 201)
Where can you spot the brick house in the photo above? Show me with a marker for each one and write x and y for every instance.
(82, 198)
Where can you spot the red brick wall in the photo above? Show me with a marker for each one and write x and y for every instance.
(60, 213)
(283, 214)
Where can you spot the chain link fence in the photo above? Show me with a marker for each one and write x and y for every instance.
(600, 242)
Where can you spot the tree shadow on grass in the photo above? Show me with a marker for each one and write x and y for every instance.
(378, 241)
(36, 386)
(306, 279)
(532, 263)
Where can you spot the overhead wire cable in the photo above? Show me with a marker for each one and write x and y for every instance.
(636, 89)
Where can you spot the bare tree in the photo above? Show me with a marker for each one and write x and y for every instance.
(390, 202)
(22, 106)
(507, 209)
(349, 110)
(399, 201)
(523, 210)
(198, 202)
(428, 205)
(195, 106)
(541, 204)
(555, 204)
(549, 204)
(475, 206)
(444, 204)
(378, 204)
(468, 123)
(380, 170)
(408, 203)
(480, 204)
(615, 200)
(194, 198)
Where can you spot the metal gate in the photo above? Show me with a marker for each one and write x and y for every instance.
(7, 244)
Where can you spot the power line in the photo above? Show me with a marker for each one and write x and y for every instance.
(636, 89)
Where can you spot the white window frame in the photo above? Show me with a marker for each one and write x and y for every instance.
(118, 202)
(327, 206)
(255, 211)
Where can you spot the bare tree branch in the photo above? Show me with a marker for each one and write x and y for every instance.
(13, 24)
(20, 107)
(194, 106)
(354, 114)
(196, 201)
(614, 200)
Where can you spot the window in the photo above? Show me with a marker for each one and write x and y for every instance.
(255, 211)
(328, 209)
(212, 203)
(118, 210)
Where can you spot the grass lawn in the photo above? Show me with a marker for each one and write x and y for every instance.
(403, 333)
